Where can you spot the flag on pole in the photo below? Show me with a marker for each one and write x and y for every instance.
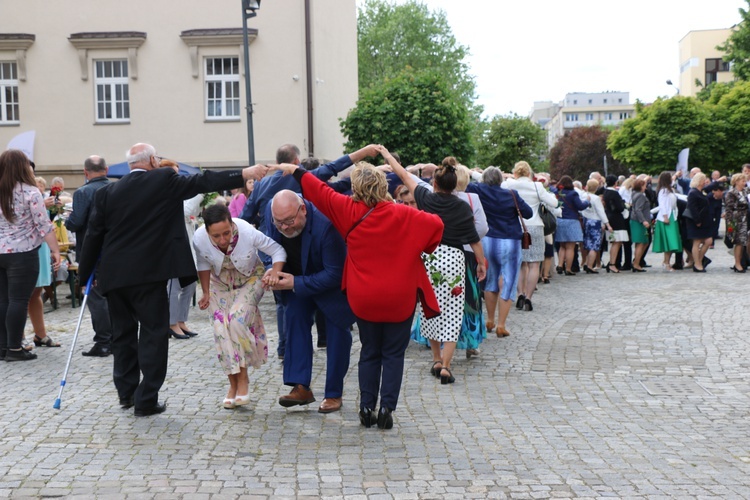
(25, 143)
(682, 161)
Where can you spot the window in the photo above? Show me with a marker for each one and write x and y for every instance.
(589, 117)
(112, 94)
(571, 117)
(575, 101)
(713, 67)
(607, 116)
(590, 101)
(8, 93)
(605, 101)
(619, 100)
(624, 116)
(222, 88)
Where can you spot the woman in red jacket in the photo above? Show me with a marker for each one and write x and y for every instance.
(383, 276)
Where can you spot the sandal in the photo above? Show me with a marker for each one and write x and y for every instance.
(46, 342)
(447, 379)
(434, 371)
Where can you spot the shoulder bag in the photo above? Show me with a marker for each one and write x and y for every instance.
(526, 238)
(548, 218)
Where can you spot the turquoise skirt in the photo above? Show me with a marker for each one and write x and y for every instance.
(45, 266)
(638, 233)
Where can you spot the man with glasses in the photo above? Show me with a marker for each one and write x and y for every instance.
(310, 281)
(136, 240)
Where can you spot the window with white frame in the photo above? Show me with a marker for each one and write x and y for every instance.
(571, 117)
(589, 117)
(624, 116)
(112, 92)
(222, 78)
(8, 93)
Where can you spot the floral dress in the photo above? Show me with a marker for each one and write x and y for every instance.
(736, 203)
(239, 334)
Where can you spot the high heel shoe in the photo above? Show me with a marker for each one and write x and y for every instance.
(636, 270)
(588, 270)
(696, 270)
(445, 379)
(228, 403)
(435, 371)
(527, 305)
(385, 419)
(545, 281)
(611, 268)
(367, 418)
(490, 326)
(242, 400)
(740, 270)
(569, 273)
(559, 269)
(176, 335)
(520, 301)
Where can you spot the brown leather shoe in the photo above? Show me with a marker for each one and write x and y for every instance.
(502, 332)
(298, 396)
(329, 405)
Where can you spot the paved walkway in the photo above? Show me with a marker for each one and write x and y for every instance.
(625, 386)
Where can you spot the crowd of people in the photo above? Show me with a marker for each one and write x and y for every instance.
(437, 254)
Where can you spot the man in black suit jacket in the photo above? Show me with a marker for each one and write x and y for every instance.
(137, 234)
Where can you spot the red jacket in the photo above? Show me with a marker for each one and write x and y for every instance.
(383, 273)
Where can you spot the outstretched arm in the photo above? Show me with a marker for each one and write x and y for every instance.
(405, 177)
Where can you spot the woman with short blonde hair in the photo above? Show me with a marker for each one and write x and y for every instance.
(736, 207)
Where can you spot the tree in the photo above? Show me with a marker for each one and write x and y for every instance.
(651, 141)
(509, 139)
(392, 38)
(416, 114)
(581, 151)
(737, 47)
(732, 122)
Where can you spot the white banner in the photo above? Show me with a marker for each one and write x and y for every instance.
(682, 161)
(24, 142)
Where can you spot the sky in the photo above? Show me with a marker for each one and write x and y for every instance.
(540, 50)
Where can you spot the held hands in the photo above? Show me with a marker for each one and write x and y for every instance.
(203, 302)
(256, 172)
(278, 280)
(284, 168)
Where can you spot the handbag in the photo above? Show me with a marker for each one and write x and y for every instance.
(526, 238)
(729, 239)
(548, 218)
(687, 214)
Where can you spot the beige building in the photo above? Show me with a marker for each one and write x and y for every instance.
(94, 77)
(581, 109)
(700, 60)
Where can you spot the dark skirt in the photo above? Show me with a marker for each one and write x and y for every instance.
(698, 232)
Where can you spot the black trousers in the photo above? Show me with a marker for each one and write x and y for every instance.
(18, 276)
(143, 351)
(382, 355)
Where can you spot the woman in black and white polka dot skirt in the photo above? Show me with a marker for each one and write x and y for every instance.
(450, 262)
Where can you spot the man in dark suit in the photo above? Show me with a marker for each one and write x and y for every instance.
(95, 171)
(310, 281)
(137, 233)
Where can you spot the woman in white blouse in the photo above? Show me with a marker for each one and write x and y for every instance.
(595, 220)
(534, 194)
(231, 276)
(667, 238)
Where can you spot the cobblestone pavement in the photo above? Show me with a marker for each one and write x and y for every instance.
(625, 386)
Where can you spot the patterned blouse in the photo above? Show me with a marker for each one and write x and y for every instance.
(31, 224)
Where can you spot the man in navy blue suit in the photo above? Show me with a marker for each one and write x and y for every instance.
(310, 281)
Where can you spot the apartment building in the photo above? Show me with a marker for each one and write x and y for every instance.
(701, 62)
(94, 77)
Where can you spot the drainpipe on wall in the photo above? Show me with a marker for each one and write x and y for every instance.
(308, 60)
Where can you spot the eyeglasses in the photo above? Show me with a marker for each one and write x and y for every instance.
(158, 158)
(287, 222)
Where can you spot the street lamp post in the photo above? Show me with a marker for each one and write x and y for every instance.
(669, 82)
(249, 8)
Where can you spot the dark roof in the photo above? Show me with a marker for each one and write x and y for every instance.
(107, 34)
(218, 32)
(17, 36)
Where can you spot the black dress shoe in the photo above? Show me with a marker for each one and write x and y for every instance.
(19, 355)
(172, 333)
(127, 403)
(385, 419)
(367, 417)
(99, 350)
(706, 262)
(520, 301)
(154, 410)
(189, 333)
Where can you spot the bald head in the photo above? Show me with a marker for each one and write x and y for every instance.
(94, 166)
(289, 213)
(142, 155)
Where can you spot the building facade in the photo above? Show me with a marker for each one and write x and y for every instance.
(701, 61)
(580, 109)
(97, 77)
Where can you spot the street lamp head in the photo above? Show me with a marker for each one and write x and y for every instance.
(669, 82)
(251, 6)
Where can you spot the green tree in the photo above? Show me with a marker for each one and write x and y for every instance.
(732, 119)
(737, 47)
(651, 141)
(582, 151)
(392, 38)
(509, 139)
(416, 114)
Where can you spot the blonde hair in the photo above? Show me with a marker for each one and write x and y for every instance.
(522, 169)
(698, 180)
(628, 183)
(592, 185)
(42, 181)
(369, 184)
(736, 179)
(463, 176)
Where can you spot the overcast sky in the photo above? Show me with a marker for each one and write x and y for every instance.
(539, 50)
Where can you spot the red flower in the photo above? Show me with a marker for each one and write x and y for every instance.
(730, 229)
(55, 190)
(456, 291)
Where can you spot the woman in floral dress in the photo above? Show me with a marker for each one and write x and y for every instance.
(231, 276)
(736, 202)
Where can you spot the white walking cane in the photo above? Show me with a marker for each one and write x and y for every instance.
(56, 406)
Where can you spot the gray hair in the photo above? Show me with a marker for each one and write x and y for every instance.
(492, 176)
(146, 152)
(95, 164)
